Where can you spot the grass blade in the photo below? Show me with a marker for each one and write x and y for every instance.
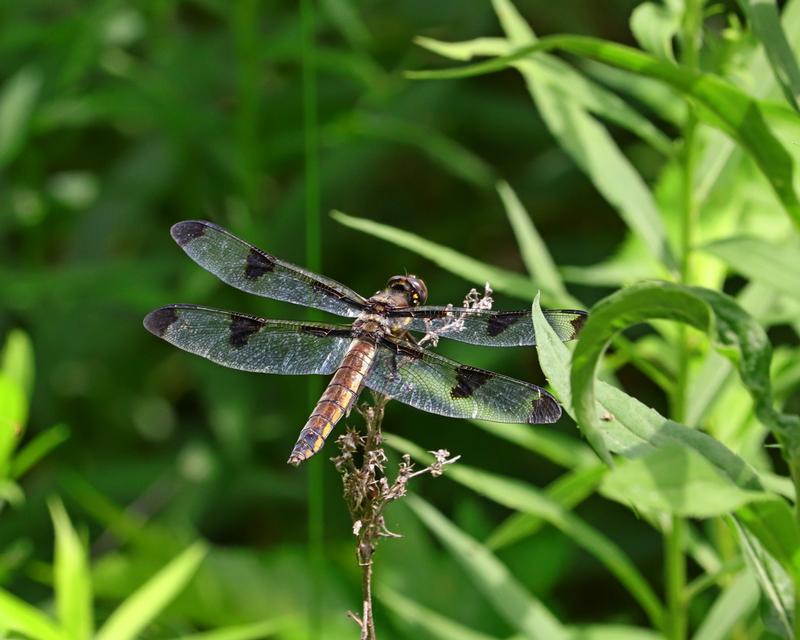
(457, 263)
(17, 615)
(147, 602)
(522, 497)
(518, 607)
(723, 105)
(766, 25)
(534, 251)
(434, 624)
(734, 604)
(776, 265)
(72, 577)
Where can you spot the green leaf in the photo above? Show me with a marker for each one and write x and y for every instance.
(147, 602)
(431, 622)
(733, 605)
(17, 360)
(518, 607)
(534, 251)
(631, 428)
(253, 631)
(675, 479)
(654, 26)
(776, 265)
(72, 577)
(776, 585)
(522, 497)
(774, 525)
(17, 615)
(468, 268)
(568, 490)
(723, 105)
(38, 448)
(731, 329)
(13, 415)
(17, 99)
(766, 25)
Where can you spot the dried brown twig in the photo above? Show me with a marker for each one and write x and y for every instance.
(367, 491)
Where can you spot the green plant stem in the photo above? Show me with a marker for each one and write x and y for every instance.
(674, 558)
(316, 503)
(675, 578)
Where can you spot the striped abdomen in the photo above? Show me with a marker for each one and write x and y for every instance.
(339, 397)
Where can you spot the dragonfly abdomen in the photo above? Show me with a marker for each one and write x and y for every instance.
(339, 397)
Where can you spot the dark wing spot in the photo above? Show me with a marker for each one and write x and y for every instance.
(184, 232)
(468, 380)
(545, 409)
(242, 327)
(577, 322)
(258, 263)
(499, 322)
(157, 322)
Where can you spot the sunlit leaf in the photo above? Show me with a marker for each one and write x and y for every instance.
(675, 479)
(17, 360)
(766, 24)
(432, 622)
(464, 266)
(17, 98)
(72, 577)
(147, 602)
(519, 608)
(770, 263)
(525, 498)
(631, 428)
(735, 603)
(654, 26)
(17, 615)
(723, 105)
(775, 526)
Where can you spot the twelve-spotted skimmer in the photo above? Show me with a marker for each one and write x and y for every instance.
(375, 351)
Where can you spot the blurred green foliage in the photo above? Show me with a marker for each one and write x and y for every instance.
(585, 168)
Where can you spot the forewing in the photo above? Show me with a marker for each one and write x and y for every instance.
(490, 328)
(248, 343)
(433, 383)
(241, 265)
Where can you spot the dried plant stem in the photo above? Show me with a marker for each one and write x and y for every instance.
(367, 491)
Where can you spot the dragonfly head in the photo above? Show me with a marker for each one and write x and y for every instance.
(412, 289)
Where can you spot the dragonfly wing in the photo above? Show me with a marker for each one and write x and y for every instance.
(490, 328)
(248, 343)
(241, 265)
(433, 383)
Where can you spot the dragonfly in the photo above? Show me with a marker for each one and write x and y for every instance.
(376, 350)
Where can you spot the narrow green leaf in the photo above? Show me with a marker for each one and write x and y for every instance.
(561, 449)
(522, 497)
(776, 265)
(675, 479)
(518, 607)
(147, 602)
(72, 577)
(254, 631)
(461, 265)
(654, 26)
(17, 615)
(431, 622)
(775, 583)
(774, 524)
(17, 360)
(729, 108)
(38, 448)
(613, 632)
(568, 490)
(534, 251)
(731, 329)
(766, 25)
(17, 99)
(631, 428)
(734, 604)
(13, 415)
